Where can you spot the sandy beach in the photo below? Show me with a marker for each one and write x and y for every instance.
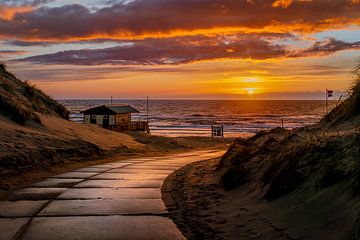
(252, 192)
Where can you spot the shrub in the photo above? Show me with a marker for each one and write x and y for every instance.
(7, 88)
(355, 182)
(330, 175)
(355, 232)
(283, 180)
(16, 112)
(29, 89)
(3, 66)
(235, 176)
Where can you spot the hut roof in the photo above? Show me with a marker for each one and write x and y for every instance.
(122, 108)
(111, 109)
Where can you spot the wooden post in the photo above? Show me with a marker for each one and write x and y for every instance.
(222, 131)
(326, 100)
(282, 122)
(147, 109)
(147, 116)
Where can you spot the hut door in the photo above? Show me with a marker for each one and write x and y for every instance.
(99, 119)
(87, 119)
(106, 121)
(112, 120)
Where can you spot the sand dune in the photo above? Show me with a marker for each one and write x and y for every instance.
(279, 184)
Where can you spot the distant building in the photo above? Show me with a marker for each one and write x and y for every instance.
(114, 117)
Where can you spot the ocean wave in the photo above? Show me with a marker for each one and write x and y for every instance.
(190, 118)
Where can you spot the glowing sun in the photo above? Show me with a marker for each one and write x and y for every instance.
(250, 91)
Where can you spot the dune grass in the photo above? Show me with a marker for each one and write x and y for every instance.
(21, 101)
(349, 107)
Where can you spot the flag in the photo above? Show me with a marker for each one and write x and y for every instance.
(330, 93)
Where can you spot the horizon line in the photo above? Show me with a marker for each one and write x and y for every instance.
(194, 99)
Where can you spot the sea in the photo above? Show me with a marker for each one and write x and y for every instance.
(240, 118)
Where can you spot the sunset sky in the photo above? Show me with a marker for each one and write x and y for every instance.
(182, 49)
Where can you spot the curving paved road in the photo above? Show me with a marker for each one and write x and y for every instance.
(119, 200)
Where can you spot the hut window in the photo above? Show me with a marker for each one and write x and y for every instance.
(105, 117)
(93, 116)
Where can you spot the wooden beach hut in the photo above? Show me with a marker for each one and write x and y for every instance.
(114, 117)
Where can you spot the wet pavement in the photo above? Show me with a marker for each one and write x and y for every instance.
(119, 200)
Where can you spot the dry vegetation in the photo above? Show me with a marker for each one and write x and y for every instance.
(307, 180)
(36, 136)
(307, 159)
(21, 101)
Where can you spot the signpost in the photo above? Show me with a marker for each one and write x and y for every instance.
(147, 109)
(217, 131)
(147, 115)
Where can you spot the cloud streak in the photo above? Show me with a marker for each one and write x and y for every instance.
(11, 52)
(183, 50)
(326, 47)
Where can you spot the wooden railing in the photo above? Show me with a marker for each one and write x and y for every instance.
(138, 126)
(142, 126)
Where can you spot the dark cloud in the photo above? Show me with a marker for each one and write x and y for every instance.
(21, 43)
(169, 51)
(144, 17)
(326, 47)
(85, 73)
(182, 50)
(5, 54)
(9, 52)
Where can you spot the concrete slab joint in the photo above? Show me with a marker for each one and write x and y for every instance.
(119, 200)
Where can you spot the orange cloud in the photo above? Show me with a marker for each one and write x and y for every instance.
(8, 12)
(179, 18)
(282, 3)
(287, 3)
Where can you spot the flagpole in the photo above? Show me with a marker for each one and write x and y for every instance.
(147, 109)
(326, 97)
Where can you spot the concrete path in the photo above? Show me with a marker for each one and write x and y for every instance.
(119, 200)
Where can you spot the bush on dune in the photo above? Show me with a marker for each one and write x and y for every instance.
(2, 66)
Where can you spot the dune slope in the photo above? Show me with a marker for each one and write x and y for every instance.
(35, 132)
(279, 184)
(310, 175)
